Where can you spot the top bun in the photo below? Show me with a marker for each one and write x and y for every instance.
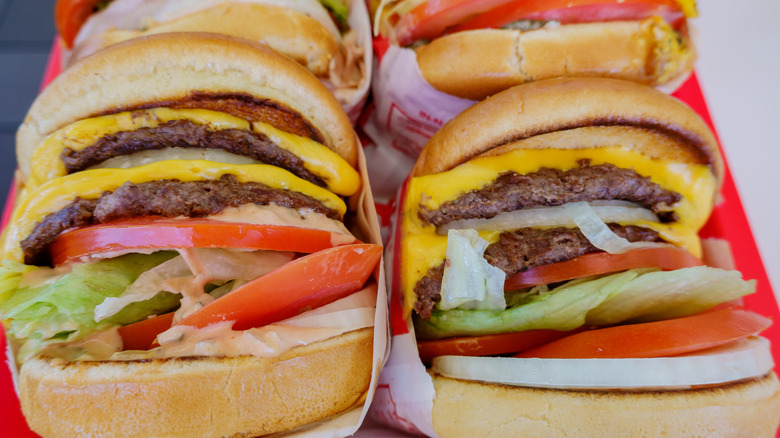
(568, 113)
(167, 67)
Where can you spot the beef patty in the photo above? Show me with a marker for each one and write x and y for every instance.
(187, 134)
(523, 249)
(169, 198)
(552, 187)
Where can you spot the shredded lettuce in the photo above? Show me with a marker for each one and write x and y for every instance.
(469, 281)
(635, 295)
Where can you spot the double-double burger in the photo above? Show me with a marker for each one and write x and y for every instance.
(193, 250)
(550, 260)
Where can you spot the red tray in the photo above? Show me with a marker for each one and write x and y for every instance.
(728, 222)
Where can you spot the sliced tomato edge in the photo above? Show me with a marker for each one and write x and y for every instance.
(143, 334)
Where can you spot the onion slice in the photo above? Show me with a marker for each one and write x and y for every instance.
(597, 232)
(744, 359)
(606, 211)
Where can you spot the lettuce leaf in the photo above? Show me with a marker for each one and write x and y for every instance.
(635, 295)
(62, 309)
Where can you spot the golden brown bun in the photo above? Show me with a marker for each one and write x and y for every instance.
(288, 31)
(473, 409)
(203, 397)
(557, 105)
(172, 66)
(646, 52)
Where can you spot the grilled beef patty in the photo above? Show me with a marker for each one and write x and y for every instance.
(523, 249)
(240, 105)
(170, 198)
(187, 134)
(551, 187)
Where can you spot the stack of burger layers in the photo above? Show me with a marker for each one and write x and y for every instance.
(193, 250)
(547, 277)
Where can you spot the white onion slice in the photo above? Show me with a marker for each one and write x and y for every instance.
(356, 310)
(747, 358)
(607, 211)
(598, 233)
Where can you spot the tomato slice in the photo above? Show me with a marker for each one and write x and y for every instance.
(488, 345)
(603, 263)
(582, 11)
(430, 19)
(656, 339)
(153, 233)
(140, 335)
(305, 283)
(70, 15)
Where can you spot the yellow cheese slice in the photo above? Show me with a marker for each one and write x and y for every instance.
(90, 184)
(46, 164)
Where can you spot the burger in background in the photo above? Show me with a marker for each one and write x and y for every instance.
(566, 235)
(330, 38)
(644, 41)
(183, 247)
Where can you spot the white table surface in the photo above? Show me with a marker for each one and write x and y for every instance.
(739, 61)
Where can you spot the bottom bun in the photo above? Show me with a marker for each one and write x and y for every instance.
(197, 397)
(473, 409)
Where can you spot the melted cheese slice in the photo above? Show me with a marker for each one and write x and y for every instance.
(56, 194)
(46, 164)
(422, 249)
(339, 176)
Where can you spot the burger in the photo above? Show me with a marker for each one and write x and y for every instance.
(330, 38)
(645, 41)
(549, 259)
(193, 251)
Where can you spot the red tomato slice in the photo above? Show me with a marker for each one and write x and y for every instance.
(603, 263)
(305, 283)
(152, 233)
(656, 339)
(70, 15)
(582, 11)
(431, 18)
(140, 335)
(487, 345)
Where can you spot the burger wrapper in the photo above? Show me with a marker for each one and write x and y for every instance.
(360, 23)
(347, 423)
(406, 111)
(404, 397)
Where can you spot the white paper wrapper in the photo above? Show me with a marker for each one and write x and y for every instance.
(359, 21)
(406, 112)
(404, 396)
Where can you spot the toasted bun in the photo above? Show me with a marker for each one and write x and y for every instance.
(288, 31)
(469, 409)
(204, 397)
(176, 65)
(647, 52)
(518, 115)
